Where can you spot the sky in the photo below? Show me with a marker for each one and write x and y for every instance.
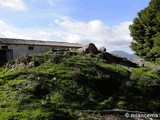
(102, 22)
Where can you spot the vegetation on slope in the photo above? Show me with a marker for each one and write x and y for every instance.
(55, 85)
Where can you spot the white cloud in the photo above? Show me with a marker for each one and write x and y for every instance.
(50, 2)
(68, 30)
(3, 25)
(18, 5)
(10, 34)
(115, 37)
(10, 31)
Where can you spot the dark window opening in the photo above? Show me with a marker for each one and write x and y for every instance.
(30, 48)
(4, 47)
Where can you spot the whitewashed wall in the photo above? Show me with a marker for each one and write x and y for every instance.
(19, 50)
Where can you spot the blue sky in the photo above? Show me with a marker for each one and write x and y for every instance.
(103, 22)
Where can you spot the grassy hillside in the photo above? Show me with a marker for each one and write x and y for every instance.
(55, 85)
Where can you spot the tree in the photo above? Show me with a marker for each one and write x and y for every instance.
(145, 31)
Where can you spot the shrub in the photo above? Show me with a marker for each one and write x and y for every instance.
(106, 104)
(121, 104)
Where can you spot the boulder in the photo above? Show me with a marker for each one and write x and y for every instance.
(90, 48)
(141, 63)
(102, 49)
(31, 64)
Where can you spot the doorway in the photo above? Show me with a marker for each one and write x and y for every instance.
(5, 56)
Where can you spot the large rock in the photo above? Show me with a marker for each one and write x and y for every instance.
(90, 48)
(102, 49)
(141, 63)
(31, 64)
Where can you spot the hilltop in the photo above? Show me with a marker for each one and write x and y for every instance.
(61, 84)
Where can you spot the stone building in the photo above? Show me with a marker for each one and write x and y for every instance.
(12, 48)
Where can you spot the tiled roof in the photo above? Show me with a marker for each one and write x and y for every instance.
(12, 41)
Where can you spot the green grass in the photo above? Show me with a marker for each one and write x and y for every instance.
(141, 73)
(58, 85)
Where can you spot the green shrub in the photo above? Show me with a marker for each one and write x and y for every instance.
(121, 104)
(106, 104)
(2, 82)
(158, 61)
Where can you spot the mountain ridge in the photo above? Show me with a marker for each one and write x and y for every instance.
(121, 53)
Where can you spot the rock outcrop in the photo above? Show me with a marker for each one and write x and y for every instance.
(102, 49)
(90, 48)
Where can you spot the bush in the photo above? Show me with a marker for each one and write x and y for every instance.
(158, 61)
(121, 104)
(106, 104)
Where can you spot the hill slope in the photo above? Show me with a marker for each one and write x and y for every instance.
(55, 85)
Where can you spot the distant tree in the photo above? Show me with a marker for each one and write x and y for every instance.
(145, 31)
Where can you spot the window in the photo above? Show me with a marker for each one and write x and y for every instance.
(30, 48)
(4, 47)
